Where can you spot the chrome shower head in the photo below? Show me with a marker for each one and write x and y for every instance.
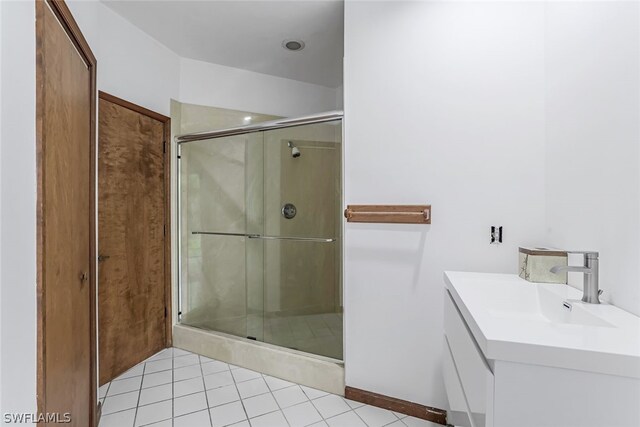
(295, 151)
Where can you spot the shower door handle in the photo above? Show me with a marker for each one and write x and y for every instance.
(259, 236)
(299, 239)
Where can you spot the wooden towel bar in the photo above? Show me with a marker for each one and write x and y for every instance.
(397, 214)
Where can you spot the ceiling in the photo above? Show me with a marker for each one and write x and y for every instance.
(248, 34)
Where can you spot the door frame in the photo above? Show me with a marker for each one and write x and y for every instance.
(166, 122)
(71, 28)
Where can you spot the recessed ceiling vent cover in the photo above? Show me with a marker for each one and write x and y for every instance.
(293, 45)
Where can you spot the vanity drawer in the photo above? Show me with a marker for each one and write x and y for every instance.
(457, 414)
(473, 371)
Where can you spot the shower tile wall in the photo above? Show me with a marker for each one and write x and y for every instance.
(302, 283)
(200, 118)
(301, 277)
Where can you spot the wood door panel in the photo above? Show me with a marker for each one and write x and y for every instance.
(131, 209)
(65, 123)
(67, 221)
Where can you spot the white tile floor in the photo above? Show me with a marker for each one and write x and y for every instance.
(175, 388)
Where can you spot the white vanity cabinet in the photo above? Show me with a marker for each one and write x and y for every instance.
(469, 371)
(506, 367)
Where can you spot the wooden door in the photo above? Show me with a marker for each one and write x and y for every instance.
(133, 251)
(65, 122)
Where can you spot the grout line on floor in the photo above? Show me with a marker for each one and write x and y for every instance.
(267, 413)
(139, 406)
(106, 393)
(238, 391)
(333, 416)
(139, 393)
(132, 376)
(204, 386)
(190, 413)
(156, 422)
(277, 403)
(173, 382)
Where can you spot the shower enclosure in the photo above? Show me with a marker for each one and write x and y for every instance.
(261, 232)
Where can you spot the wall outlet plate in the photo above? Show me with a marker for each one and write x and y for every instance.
(496, 234)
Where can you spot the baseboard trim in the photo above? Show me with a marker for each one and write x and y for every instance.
(435, 415)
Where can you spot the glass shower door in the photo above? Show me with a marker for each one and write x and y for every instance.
(221, 199)
(261, 236)
(302, 278)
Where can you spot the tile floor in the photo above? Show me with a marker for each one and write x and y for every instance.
(176, 388)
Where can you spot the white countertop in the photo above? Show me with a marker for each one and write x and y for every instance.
(519, 321)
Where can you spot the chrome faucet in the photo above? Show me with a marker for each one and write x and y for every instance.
(590, 291)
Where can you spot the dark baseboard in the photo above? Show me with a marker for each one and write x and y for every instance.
(435, 415)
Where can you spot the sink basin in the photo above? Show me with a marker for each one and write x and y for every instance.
(518, 353)
(547, 306)
(546, 324)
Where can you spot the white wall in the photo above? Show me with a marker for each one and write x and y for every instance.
(216, 85)
(444, 104)
(0, 206)
(134, 66)
(18, 208)
(593, 139)
(131, 64)
(150, 81)
(518, 114)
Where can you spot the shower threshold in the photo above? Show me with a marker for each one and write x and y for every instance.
(319, 333)
(321, 372)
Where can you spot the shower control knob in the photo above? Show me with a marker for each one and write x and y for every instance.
(289, 210)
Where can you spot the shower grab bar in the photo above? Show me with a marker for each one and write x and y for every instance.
(259, 236)
(302, 239)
